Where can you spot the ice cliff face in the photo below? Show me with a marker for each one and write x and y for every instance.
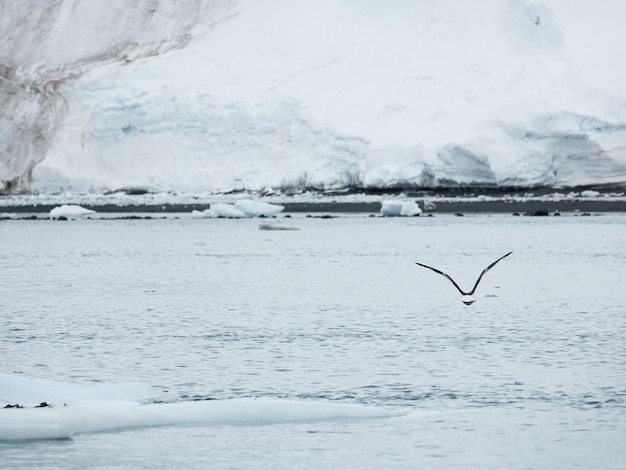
(199, 95)
(48, 46)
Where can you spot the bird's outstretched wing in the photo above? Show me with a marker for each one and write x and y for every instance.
(445, 275)
(485, 271)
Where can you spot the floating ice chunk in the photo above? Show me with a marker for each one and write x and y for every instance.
(276, 226)
(590, 193)
(243, 208)
(258, 209)
(395, 208)
(62, 421)
(70, 211)
(111, 407)
(429, 205)
(227, 211)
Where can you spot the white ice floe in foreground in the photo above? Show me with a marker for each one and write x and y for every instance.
(15, 389)
(80, 409)
(395, 208)
(70, 211)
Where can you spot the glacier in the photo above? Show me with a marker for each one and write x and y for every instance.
(224, 95)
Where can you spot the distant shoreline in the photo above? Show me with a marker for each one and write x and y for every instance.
(531, 207)
(582, 199)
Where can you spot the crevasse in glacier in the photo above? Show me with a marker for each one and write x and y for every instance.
(213, 96)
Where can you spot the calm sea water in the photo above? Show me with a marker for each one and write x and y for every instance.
(533, 375)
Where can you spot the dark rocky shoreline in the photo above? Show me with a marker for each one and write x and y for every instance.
(455, 200)
(530, 207)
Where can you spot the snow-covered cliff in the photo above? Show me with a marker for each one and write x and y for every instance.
(214, 95)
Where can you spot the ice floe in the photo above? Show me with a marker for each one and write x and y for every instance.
(75, 409)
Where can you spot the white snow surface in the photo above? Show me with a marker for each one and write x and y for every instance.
(238, 94)
(79, 409)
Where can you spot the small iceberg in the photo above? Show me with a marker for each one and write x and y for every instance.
(70, 211)
(241, 209)
(258, 209)
(219, 211)
(277, 225)
(590, 193)
(396, 208)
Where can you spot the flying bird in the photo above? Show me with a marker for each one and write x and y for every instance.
(467, 297)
